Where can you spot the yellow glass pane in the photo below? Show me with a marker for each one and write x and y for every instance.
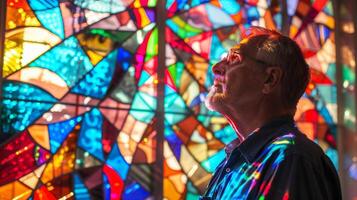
(144, 18)
(12, 56)
(170, 191)
(179, 180)
(96, 46)
(23, 45)
(307, 128)
(175, 180)
(31, 179)
(198, 67)
(14, 190)
(194, 170)
(64, 159)
(198, 150)
(16, 17)
(193, 90)
(40, 134)
(94, 56)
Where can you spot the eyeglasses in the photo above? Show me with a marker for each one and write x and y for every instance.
(236, 56)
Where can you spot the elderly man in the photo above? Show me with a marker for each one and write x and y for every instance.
(257, 87)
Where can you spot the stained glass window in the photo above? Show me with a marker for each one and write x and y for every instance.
(346, 55)
(79, 108)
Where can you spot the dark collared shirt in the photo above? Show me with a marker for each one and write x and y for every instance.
(275, 162)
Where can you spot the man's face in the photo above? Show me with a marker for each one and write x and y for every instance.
(238, 82)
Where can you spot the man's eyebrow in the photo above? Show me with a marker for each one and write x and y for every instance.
(237, 49)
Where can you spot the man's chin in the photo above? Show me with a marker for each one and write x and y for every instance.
(214, 102)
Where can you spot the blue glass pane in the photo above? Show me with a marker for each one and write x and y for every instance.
(51, 19)
(328, 9)
(231, 7)
(106, 187)
(226, 135)
(197, 101)
(175, 107)
(323, 32)
(103, 6)
(212, 162)
(80, 190)
(95, 83)
(135, 190)
(218, 49)
(252, 14)
(321, 106)
(333, 155)
(278, 18)
(59, 131)
(174, 102)
(173, 118)
(328, 93)
(23, 103)
(42, 4)
(292, 4)
(181, 3)
(192, 193)
(143, 107)
(24, 91)
(331, 71)
(67, 60)
(117, 162)
(169, 3)
(90, 138)
(199, 2)
(173, 141)
(124, 58)
(218, 17)
(144, 76)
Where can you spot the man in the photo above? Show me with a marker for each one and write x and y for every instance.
(257, 87)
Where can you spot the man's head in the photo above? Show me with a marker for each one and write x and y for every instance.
(265, 66)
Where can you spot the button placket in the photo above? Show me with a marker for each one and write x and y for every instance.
(228, 169)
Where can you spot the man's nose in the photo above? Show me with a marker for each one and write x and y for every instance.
(218, 68)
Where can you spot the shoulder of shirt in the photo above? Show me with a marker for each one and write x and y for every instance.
(297, 144)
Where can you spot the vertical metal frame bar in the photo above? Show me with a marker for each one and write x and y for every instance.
(353, 147)
(160, 110)
(285, 29)
(354, 7)
(339, 87)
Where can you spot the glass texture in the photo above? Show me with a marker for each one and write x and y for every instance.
(80, 92)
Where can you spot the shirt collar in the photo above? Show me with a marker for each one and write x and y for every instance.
(231, 146)
(259, 138)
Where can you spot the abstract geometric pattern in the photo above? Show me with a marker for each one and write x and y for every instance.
(80, 92)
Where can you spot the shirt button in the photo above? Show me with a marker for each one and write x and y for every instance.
(228, 170)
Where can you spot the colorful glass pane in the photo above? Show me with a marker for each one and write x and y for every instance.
(80, 92)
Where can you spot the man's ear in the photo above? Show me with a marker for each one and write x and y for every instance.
(272, 79)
